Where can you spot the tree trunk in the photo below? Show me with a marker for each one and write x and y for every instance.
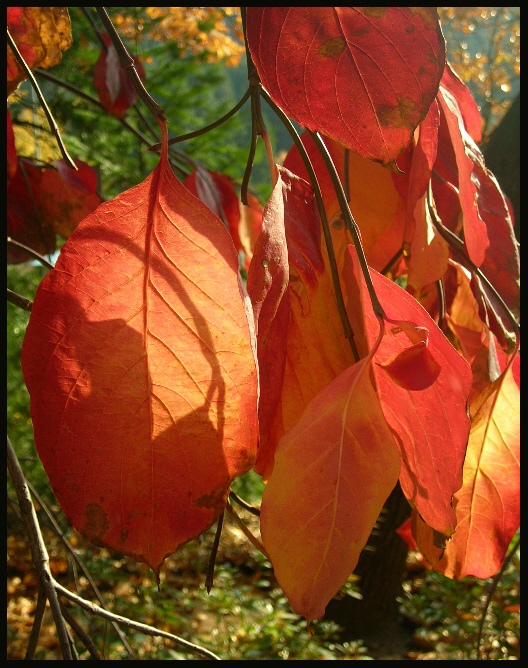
(380, 569)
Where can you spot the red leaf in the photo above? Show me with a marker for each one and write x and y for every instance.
(65, 196)
(333, 472)
(218, 193)
(467, 155)
(12, 158)
(139, 362)
(466, 103)
(430, 424)
(342, 71)
(114, 87)
(24, 222)
(488, 505)
(405, 533)
(250, 226)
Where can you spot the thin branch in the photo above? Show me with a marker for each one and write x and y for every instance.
(393, 259)
(242, 526)
(39, 552)
(29, 251)
(127, 62)
(349, 220)
(211, 126)
(324, 221)
(58, 531)
(53, 125)
(244, 504)
(81, 633)
(130, 623)
(16, 299)
(37, 623)
(214, 551)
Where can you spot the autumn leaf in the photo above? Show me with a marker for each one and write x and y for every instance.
(217, 191)
(488, 504)
(140, 364)
(267, 285)
(465, 101)
(12, 157)
(422, 389)
(364, 76)
(333, 472)
(114, 87)
(41, 35)
(380, 219)
(250, 226)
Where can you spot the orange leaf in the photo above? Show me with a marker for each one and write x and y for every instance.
(41, 35)
(488, 504)
(139, 361)
(333, 472)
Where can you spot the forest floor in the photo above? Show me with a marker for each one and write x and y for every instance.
(245, 616)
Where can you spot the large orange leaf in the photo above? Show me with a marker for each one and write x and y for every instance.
(423, 385)
(139, 361)
(364, 76)
(333, 472)
(41, 35)
(488, 505)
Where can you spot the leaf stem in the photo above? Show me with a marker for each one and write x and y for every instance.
(242, 526)
(349, 334)
(244, 504)
(211, 126)
(127, 62)
(18, 300)
(214, 551)
(51, 120)
(349, 220)
(29, 251)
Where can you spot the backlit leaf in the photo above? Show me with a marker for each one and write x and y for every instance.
(41, 35)
(364, 76)
(488, 505)
(139, 361)
(333, 472)
(428, 416)
(114, 87)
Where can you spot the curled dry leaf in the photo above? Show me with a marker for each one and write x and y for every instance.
(139, 359)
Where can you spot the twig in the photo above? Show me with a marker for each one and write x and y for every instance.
(58, 531)
(137, 626)
(244, 504)
(211, 126)
(349, 220)
(324, 221)
(38, 548)
(214, 551)
(53, 125)
(18, 300)
(37, 623)
(127, 62)
(81, 633)
(29, 251)
(242, 526)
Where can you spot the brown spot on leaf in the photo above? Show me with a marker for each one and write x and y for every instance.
(96, 522)
(428, 15)
(332, 47)
(405, 114)
(215, 500)
(374, 12)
